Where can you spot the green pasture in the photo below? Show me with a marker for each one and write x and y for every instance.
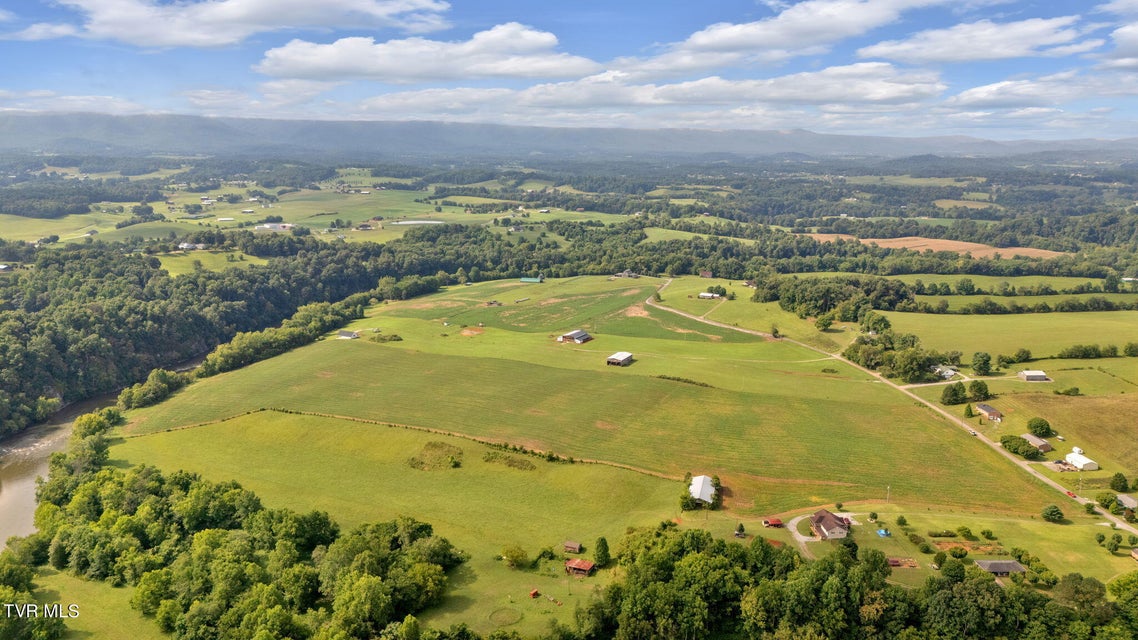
(683, 294)
(358, 473)
(967, 204)
(957, 302)
(181, 263)
(987, 283)
(783, 441)
(656, 234)
(104, 611)
(1044, 334)
(67, 228)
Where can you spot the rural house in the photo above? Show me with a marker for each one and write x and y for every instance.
(579, 567)
(620, 359)
(1000, 567)
(989, 412)
(707, 295)
(577, 336)
(705, 273)
(344, 334)
(1037, 442)
(828, 526)
(1126, 502)
(702, 489)
(1032, 376)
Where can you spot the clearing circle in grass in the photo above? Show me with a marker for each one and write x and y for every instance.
(505, 616)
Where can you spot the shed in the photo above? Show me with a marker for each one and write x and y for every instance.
(572, 546)
(702, 489)
(537, 280)
(828, 526)
(1000, 567)
(1127, 501)
(1037, 442)
(772, 522)
(620, 359)
(5, 267)
(707, 295)
(577, 336)
(1081, 462)
(1032, 375)
(579, 567)
(704, 273)
(344, 334)
(989, 412)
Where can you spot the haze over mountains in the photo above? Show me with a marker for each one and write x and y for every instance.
(194, 135)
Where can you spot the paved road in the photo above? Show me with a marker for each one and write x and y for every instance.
(952, 418)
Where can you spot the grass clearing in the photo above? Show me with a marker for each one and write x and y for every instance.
(104, 611)
(957, 302)
(182, 263)
(945, 203)
(359, 473)
(1045, 334)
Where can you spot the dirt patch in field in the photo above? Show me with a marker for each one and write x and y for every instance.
(918, 243)
(437, 304)
(710, 337)
(607, 426)
(747, 478)
(637, 311)
(472, 332)
(325, 374)
(631, 292)
(549, 301)
(537, 412)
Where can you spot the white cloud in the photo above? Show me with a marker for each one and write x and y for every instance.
(984, 40)
(42, 31)
(6, 16)
(1121, 7)
(1125, 52)
(215, 23)
(49, 101)
(803, 29)
(287, 92)
(509, 50)
(1047, 91)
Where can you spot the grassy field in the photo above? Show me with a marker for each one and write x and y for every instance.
(181, 263)
(359, 473)
(767, 426)
(1045, 334)
(67, 228)
(683, 294)
(656, 234)
(910, 181)
(956, 302)
(104, 611)
(988, 283)
(967, 204)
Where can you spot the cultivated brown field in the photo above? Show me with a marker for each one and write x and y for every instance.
(920, 244)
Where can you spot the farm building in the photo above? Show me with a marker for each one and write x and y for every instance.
(1032, 375)
(1126, 502)
(1080, 461)
(538, 280)
(579, 567)
(620, 359)
(627, 273)
(1000, 567)
(572, 546)
(707, 295)
(1037, 442)
(828, 526)
(344, 334)
(989, 412)
(705, 273)
(702, 489)
(577, 336)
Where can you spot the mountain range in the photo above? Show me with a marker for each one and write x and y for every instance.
(196, 135)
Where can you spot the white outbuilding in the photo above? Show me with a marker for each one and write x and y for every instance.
(701, 489)
(1081, 462)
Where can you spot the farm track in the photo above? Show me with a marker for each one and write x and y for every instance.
(1023, 464)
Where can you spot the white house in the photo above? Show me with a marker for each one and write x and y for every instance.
(1032, 375)
(701, 489)
(1081, 462)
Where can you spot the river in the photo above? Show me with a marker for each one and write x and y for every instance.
(24, 458)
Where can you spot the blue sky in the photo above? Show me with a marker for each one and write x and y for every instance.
(1002, 69)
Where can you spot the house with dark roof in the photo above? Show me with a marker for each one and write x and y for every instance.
(1039, 443)
(989, 412)
(1000, 567)
(344, 334)
(828, 526)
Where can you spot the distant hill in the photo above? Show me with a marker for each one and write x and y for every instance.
(194, 135)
